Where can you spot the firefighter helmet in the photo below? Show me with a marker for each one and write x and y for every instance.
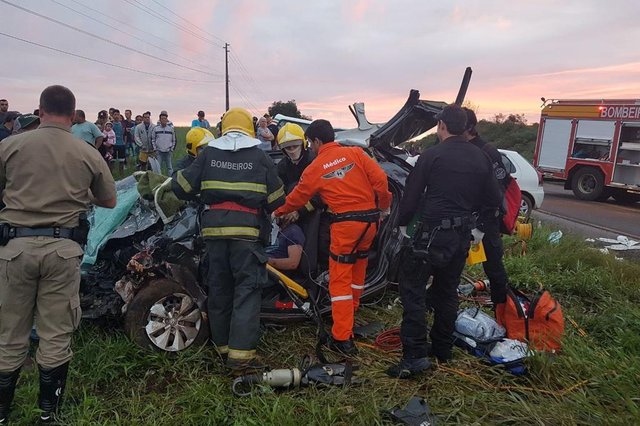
(197, 137)
(238, 120)
(290, 134)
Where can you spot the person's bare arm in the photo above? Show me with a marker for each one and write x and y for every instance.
(107, 204)
(289, 263)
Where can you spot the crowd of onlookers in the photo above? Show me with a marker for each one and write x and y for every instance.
(126, 139)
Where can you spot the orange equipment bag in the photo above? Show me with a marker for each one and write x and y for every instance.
(536, 320)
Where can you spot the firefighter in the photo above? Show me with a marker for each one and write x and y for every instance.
(349, 182)
(239, 185)
(489, 217)
(297, 156)
(197, 138)
(458, 179)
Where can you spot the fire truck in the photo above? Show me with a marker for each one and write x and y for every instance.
(593, 145)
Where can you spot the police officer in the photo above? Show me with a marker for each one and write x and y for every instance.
(239, 185)
(356, 190)
(49, 179)
(489, 219)
(458, 179)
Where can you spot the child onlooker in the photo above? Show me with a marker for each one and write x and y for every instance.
(108, 143)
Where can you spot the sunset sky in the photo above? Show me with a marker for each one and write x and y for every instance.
(324, 54)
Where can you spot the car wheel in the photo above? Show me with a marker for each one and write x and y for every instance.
(163, 317)
(526, 206)
(588, 184)
(624, 197)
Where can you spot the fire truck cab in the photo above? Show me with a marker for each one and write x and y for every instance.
(593, 145)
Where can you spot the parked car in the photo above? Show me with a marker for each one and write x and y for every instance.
(529, 179)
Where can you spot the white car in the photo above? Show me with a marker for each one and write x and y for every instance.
(529, 179)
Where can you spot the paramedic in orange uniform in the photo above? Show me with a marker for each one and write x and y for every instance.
(355, 188)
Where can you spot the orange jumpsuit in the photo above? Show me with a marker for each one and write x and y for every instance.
(348, 181)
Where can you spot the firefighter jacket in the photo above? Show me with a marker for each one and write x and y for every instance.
(290, 174)
(347, 179)
(239, 185)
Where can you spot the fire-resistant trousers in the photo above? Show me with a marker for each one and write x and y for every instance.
(346, 277)
(414, 274)
(39, 276)
(237, 274)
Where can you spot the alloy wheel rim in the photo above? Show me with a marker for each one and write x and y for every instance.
(173, 322)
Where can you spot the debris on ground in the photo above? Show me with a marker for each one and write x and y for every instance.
(554, 237)
(620, 243)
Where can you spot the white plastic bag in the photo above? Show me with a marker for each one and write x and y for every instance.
(474, 323)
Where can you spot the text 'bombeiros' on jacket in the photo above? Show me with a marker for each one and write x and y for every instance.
(239, 185)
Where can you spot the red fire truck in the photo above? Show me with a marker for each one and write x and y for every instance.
(593, 145)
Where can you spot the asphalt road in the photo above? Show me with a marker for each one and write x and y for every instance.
(590, 218)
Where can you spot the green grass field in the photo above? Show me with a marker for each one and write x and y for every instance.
(595, 380)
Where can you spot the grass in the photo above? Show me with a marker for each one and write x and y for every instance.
(594, 380)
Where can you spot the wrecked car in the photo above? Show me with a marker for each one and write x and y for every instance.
(152, 275)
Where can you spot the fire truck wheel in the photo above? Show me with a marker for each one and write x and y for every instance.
(588, 184)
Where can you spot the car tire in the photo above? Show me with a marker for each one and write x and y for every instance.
(588, 184)
(164, 317)
(526, 206)
(624, 197)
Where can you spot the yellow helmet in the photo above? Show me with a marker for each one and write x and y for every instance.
(196, 138)
(290, 133)
(238, 120)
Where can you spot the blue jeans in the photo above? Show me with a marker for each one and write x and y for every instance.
(165, 158)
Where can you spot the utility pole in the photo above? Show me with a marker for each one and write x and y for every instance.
(226, 73)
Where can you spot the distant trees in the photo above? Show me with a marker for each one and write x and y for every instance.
(288, 108)
(503, 131)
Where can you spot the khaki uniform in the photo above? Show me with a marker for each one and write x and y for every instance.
(46, 175)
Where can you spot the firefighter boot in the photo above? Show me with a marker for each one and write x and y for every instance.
(52, 383)
(7, 389)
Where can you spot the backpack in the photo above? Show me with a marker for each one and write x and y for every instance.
(511, 207)
(537, 320)
(511, 202)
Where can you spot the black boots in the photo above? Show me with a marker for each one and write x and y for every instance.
(7, 389)
(344, 347)
(52, 383)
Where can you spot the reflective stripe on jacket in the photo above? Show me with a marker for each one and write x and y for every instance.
(246, 177)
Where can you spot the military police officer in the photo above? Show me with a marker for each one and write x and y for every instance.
(49, 178)
(240, 187)
(458, 179)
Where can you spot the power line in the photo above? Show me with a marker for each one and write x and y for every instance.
(105, 63)
(252, 106)
(136, 28)
(156, 15)
(187, 21)
(124, 32)
(105, 39)
(244, 74)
